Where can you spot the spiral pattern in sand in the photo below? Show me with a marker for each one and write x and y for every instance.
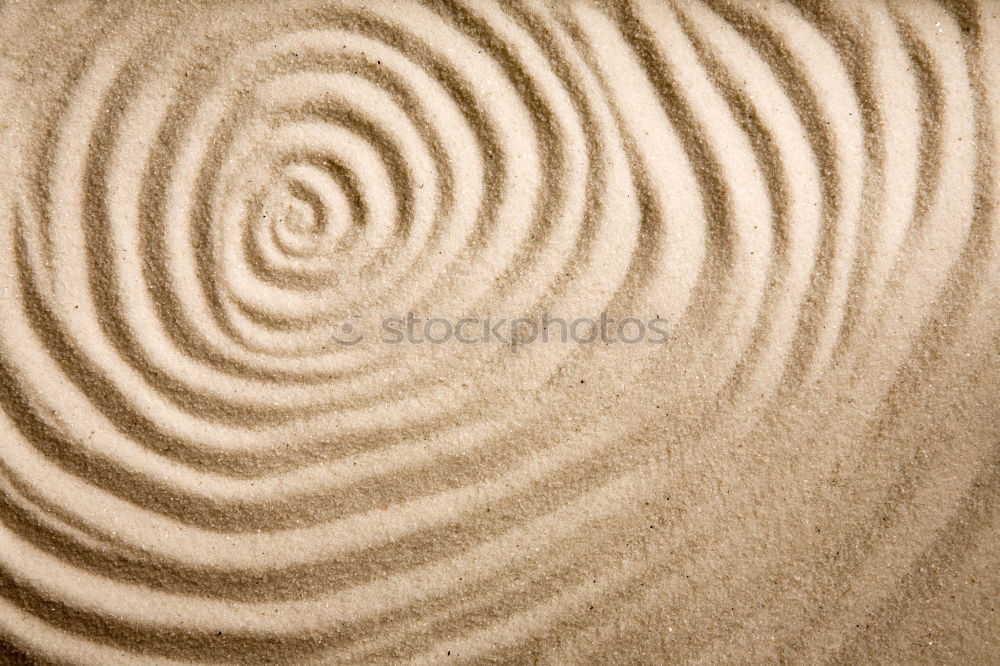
(192, 470)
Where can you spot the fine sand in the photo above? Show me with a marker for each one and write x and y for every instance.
(200, 200)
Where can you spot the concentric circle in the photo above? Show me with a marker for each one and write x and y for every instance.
(214, 211)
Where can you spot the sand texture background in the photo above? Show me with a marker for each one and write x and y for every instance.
(197, 197)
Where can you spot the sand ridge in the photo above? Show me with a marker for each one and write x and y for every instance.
(199, 197)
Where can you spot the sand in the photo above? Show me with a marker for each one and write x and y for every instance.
(201, 200)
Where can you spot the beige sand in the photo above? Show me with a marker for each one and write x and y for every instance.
(197, 197)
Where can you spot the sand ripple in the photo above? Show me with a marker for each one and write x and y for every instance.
(192, 470)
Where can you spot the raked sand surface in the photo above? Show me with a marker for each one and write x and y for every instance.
(199, 200)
